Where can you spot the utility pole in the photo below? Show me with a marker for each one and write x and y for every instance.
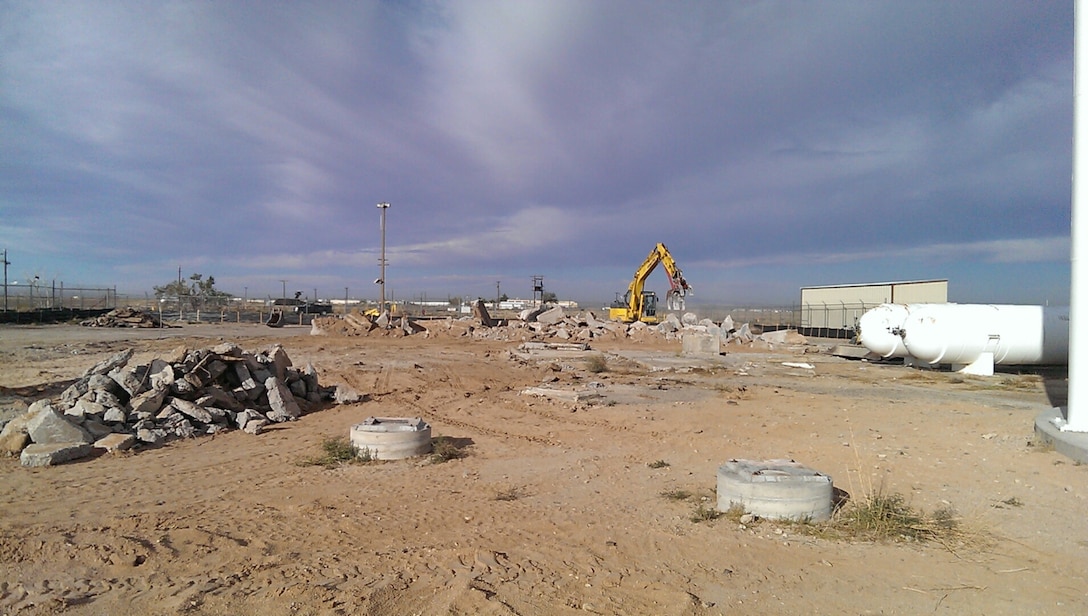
(6, 264)
(284, 288)
(498, 293)
(383, 206)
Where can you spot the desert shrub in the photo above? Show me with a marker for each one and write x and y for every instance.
(445, 449)
(336, 451)
(597, 364)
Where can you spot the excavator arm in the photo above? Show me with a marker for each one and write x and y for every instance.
(641, 305)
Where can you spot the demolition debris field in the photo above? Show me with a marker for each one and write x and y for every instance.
(561, 504)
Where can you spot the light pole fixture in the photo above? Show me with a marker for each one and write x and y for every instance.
(381, 260)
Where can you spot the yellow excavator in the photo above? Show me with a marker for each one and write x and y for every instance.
(639, 304)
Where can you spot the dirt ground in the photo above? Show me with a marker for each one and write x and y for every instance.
(555, 509)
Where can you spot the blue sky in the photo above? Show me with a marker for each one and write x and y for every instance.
(770, 145)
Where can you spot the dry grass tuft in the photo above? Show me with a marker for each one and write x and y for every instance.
(511, 493)
(597, 364)
(337, 452)
(444, 449)
(705, 513)
(676, 495)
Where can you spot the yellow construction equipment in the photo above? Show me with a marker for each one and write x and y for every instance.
(639, 304)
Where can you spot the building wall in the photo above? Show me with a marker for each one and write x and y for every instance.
(840, 306)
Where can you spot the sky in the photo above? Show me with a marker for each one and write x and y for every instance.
(770, 145)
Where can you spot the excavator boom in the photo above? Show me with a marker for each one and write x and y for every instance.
(641, 305)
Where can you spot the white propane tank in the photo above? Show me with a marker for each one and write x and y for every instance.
(878, 330)
(963, 334)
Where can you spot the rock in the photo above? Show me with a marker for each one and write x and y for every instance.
(551, 316)
(151, 436)
(106, 366)
(150, 401)
(82, 408)
(12, 443)
(255, 426)
(96, 428)
(53, 453)
(783, 336)
(698, 343)
(115, 442)
(129, 380)
(114, 415)
(727, 325)
(214, 395)
(689, 318)
(102, 382)
(669, 325)
(14, 437)
(282, 404)
(346, 395)
(107, 399)
(280, 362)
(298, 388)
(50, 427)
(161, 374)
(479, 310)
(191, 410)
(227, 349)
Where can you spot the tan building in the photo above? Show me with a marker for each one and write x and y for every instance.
(838, 307)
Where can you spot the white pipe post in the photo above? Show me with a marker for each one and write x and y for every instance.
(1076, 419)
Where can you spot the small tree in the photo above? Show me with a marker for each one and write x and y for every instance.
(199, 293)
(547, 297)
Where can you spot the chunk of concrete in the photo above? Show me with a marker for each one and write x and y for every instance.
(280, 361)
(479, 310)
(191, 410)
(280, 401)
(699, 343)
(551, 316)
(50, 427)
(150, 401)
(115, 442)
(105, 366)
(347, 395)
(54, 453)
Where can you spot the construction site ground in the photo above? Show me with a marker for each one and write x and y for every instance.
(558, 506)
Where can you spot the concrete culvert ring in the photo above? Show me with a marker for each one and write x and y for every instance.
(775, 489)
(392, 438)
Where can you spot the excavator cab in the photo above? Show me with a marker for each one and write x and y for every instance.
(649, 306)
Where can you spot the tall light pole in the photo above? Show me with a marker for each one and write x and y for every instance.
(381, 260)
(6, 264)
(284, 288)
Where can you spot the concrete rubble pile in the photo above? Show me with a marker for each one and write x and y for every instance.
(114, 406)
(123, 317)
(550, 323)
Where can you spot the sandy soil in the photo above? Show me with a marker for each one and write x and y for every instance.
(555, 509)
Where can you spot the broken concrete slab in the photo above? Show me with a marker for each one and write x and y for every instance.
(50, 426)
(53, 453)
(282, 403)
(115, 442)
(479, 311)
(700, 343)
(551, 316)
(783, 336)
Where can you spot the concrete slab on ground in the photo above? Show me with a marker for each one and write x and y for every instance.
(1073, 445)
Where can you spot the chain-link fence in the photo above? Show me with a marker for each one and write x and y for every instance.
(52, 296)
